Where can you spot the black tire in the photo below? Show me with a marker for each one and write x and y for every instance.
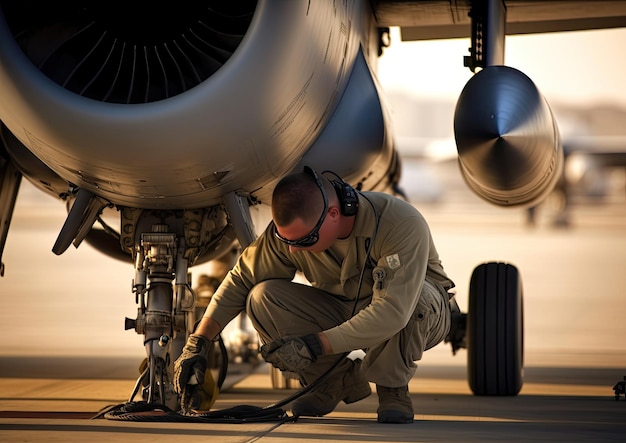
(495, 330)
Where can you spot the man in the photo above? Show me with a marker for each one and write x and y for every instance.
(376, 284)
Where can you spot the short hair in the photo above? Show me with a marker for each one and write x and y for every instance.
(297, 196)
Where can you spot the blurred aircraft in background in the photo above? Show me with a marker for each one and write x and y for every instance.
(178, 120)
(594, 172)
(589, 159)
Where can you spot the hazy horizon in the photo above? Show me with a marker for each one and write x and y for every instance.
(582, 67)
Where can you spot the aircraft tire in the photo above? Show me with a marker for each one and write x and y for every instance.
(495, 330)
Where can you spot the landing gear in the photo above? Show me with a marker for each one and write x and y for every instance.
(164, 314)
(495, 330)
(281, 380)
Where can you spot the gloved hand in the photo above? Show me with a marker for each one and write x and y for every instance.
(292, 353)
(193, 361)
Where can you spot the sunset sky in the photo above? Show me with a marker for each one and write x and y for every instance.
(585, 67)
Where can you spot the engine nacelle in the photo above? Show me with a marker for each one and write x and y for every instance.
(509, 147)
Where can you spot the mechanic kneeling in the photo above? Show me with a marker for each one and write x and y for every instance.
(377, 284)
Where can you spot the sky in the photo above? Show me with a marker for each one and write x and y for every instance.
(583, 67)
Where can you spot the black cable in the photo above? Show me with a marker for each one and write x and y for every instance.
(307, 388)
(224, 363)
(136, 411)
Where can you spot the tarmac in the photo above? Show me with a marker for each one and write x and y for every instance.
(43, 400)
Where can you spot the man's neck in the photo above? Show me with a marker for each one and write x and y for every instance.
(347, 224)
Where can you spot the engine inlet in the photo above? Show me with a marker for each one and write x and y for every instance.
(117, 52)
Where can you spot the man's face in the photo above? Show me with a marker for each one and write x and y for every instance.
(300, 230)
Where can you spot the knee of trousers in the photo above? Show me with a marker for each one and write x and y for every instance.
(260, 305)
(258, 297)
(265, 292)
(292, 308)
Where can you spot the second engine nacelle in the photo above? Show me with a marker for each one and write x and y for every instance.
(509, 147)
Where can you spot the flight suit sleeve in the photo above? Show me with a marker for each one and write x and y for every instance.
(265, 258)
(402, 253)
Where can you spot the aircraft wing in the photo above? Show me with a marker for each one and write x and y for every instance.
(425, 20)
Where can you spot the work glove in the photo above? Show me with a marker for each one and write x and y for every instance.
(292, 353)
(190, 369)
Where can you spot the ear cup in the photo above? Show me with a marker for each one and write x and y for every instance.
(348, 200)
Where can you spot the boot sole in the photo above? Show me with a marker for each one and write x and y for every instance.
(394, 417)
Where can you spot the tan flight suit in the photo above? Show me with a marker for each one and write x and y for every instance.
(402, 313)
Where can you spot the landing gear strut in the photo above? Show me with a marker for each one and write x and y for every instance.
(163, 315)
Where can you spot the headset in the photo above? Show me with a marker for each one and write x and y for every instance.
(348, 200)
(347, 195)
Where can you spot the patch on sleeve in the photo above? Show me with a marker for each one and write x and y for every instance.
(393, 261)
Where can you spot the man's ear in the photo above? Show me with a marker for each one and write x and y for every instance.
(334, 212)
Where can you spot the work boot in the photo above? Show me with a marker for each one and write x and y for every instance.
(347, 382)
(394, 405)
